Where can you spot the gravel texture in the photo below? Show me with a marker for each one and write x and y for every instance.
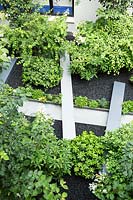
(102, 86)
(78, 188)
(98, 130)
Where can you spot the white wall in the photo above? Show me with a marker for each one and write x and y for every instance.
(85, 10)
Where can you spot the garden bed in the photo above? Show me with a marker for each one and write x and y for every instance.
(102, 86)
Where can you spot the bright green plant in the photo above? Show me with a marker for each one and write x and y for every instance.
(39, 48)
(33, 150)
(87, 153)
(131, 79)
(81, 101)
(127, 107)
(116, 184)
(3, 43)
(103, 46)
(42, 71)
(3, 155)
(93, 103)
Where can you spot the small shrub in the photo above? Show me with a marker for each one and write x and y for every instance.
(127, 107)
(103, 103)
(93, 104)
(103, 46)
(87, 154)
(81, 101)
(116, 184)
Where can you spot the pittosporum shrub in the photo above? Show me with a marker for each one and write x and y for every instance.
(103, 46)
(17, 9)
(37, 159)
(38, 44)
(3, 43)
(116, 183)
(121, 5)
(42, 71)
(87, 154)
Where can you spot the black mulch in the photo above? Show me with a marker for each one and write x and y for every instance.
(15, 80)
(102, 86)
(98, 130)
(58, 128)
(78, 188)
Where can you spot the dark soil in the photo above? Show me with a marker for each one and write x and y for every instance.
(102, 86)
(78, 188)
(15, 80)
(98, 130)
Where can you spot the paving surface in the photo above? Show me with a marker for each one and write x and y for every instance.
(5, 72)
(114, 116)
(86, 116)
(68, 123)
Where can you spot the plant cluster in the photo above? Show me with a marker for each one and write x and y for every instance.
(38, 44)
(37, 159)
(17, 10)
(87, 152)
(116, 183)
(127, 107)
(33, 161)
(3, 43)
(83, 101)
(103, 46)
(121, 5)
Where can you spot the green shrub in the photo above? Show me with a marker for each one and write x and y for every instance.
(87, 154)
(93, 103)
(42, 71)
(17, 9)
(39, 48)
(116, 184)
(37, 159)
(81, 101)
(122, 5)
(127, 107)
(103, 103)
(103, 46)
(3, 43)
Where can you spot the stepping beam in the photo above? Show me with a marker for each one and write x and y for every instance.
(5, 72)
(68, 123)
(114, 116)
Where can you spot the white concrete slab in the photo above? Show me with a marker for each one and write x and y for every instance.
(30, 108)
(114, 117)
(88, 116)
(5, 72)
(85, 116)
(68, 122)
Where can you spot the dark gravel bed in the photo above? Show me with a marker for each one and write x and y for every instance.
(15, 79)
(58, 128)
(102, 86)
(98, 130)
(78, 188)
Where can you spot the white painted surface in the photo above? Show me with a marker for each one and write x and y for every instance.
(85, 116)
(88, 116)
(5, 72)
(68, 122)
(30, 108)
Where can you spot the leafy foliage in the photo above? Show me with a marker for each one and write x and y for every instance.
(18, 9)
(117, 183)
(103, 46)
(39, 48)
(127, 107)
(87, 153)
(3, 43)
(37, 158)
(122, 5)
(83, 101)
